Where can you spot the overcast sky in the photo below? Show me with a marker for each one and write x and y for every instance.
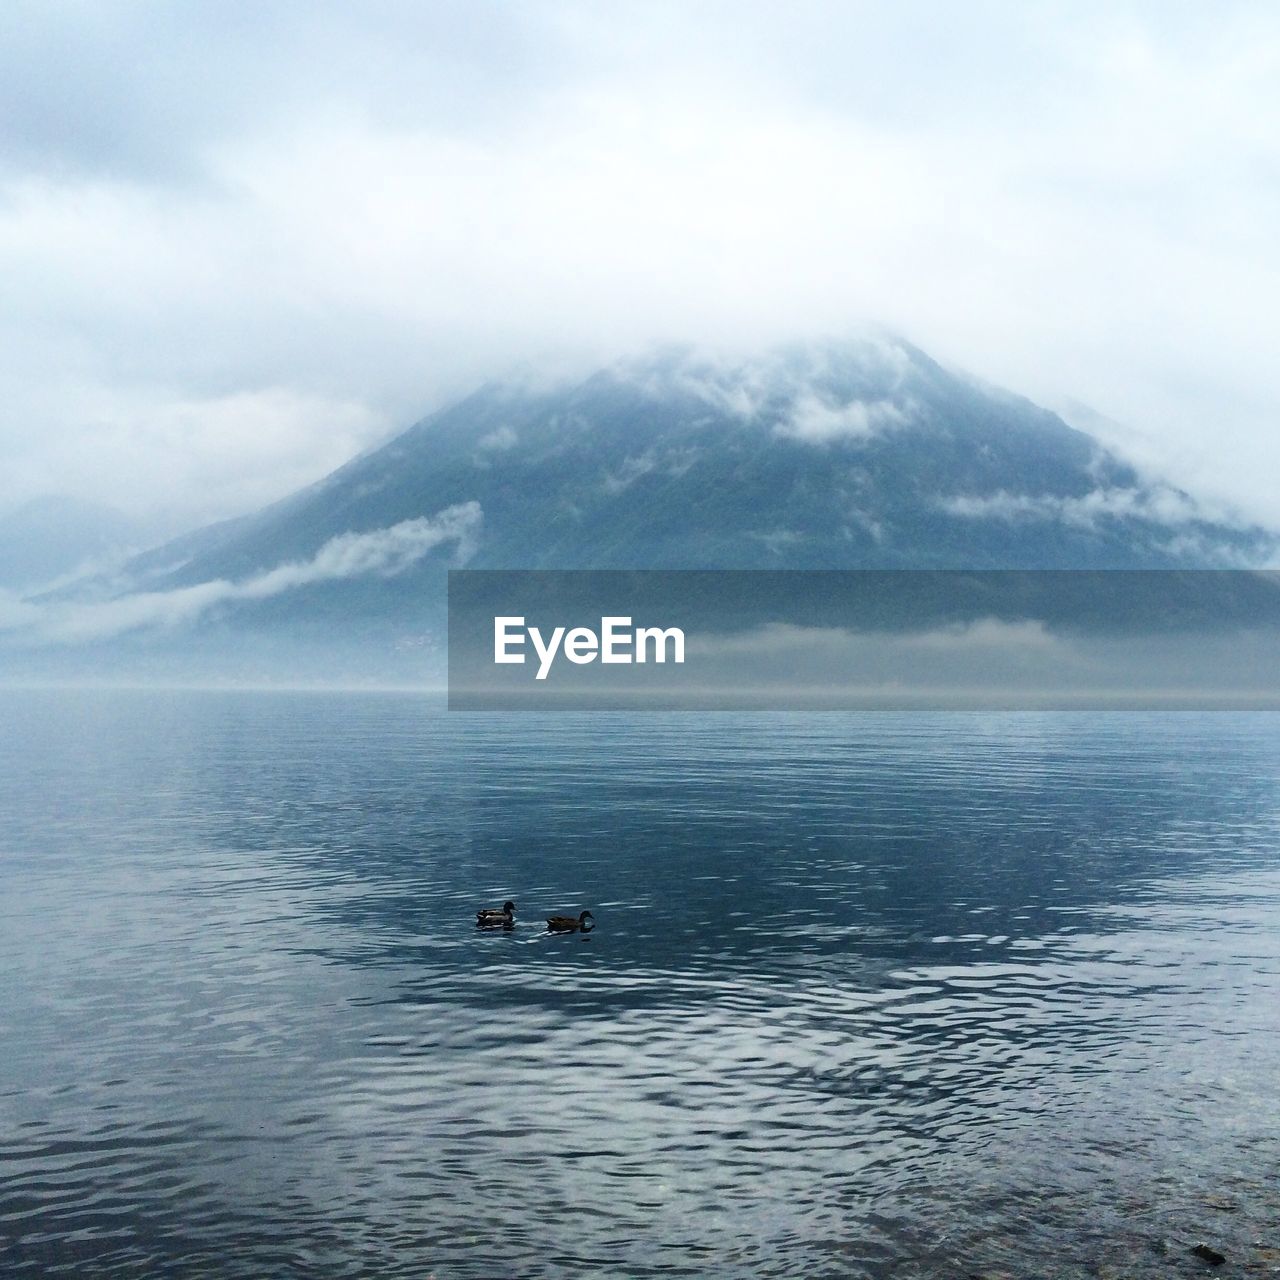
(239, 242)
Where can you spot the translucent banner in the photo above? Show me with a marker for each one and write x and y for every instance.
(547, 640)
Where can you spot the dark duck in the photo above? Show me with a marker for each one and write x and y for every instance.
(496, 917)
(571, 924)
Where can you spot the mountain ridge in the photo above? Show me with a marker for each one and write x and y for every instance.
(854, 454)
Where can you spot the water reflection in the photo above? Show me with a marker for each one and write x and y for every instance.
(893, 995)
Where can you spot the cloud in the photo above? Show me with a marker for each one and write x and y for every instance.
(143, 104)
(1161, 505)
(16, 613)
(775, 639)
(800, 390)
(381, 553)
(983, 654)
(498, 441)
(667, 462)
(818, 421)
(371, 208)
(185, 459)
(1026, 635)
(778, 541)
(1181, 515)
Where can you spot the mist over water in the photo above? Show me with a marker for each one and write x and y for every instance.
(899, 994)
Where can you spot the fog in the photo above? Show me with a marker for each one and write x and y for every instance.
(241, 244)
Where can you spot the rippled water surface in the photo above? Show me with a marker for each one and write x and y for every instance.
(868, 995)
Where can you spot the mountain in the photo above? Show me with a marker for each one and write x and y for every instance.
(860, 454)
(863, 454)
(55, 536)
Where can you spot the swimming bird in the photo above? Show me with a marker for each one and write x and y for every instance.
(495, 918)
(567, 924)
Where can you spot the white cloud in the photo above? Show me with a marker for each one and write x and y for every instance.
(384, 208)
(816, 420)
(497, 441)
(722, 383)
(1161, 505)
(668, 462)
(630, 470)
(380, 553)
(789, 386)
(184, 459)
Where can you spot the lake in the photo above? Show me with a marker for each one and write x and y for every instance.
(914, 995)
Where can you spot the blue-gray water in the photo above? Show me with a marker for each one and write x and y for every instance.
(901, 995)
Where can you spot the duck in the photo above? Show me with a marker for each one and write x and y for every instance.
(567, 924)
(496, 917)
